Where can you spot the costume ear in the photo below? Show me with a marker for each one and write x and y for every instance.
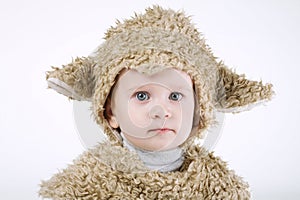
(74, 80)
(237, 94)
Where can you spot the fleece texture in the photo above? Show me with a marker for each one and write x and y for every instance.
(113, 172)
(145, 42)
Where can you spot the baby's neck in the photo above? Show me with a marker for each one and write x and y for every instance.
(163, 161)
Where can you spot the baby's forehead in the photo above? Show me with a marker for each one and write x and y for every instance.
(165, 76)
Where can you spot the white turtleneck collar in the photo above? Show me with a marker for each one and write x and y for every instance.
(163, 161)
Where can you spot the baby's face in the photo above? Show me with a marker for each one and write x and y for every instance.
(153, 112)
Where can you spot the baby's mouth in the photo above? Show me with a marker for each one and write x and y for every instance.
(162, 130)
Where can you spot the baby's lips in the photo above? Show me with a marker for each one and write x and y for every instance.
(162, 129)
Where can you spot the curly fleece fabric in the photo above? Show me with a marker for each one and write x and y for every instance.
(113, 172)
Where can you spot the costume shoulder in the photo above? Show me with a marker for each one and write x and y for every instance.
(113, 172)
(213, 177)
(93, 175)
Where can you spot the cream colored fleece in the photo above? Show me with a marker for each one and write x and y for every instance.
(113, 172)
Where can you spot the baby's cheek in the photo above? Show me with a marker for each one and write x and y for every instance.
(176, 109)
(138, 115)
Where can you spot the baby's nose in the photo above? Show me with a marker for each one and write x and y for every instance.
(160, 112)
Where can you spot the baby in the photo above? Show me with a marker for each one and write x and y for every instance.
(154, 86)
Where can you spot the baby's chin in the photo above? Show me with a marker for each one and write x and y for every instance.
(160, 145)
(156, 141)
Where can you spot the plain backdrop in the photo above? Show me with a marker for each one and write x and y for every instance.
(38, 137)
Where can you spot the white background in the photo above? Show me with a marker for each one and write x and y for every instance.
(38, 135)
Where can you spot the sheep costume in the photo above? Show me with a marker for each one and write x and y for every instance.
(159, 37)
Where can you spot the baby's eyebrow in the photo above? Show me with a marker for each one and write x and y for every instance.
(135, 89)
(132, 89)
(180, 88)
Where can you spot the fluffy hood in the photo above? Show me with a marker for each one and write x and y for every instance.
(159, 37)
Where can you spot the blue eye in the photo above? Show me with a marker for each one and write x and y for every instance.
(142, 96)
(175, 96)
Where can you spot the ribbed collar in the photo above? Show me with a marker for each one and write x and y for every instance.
(163, 161)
